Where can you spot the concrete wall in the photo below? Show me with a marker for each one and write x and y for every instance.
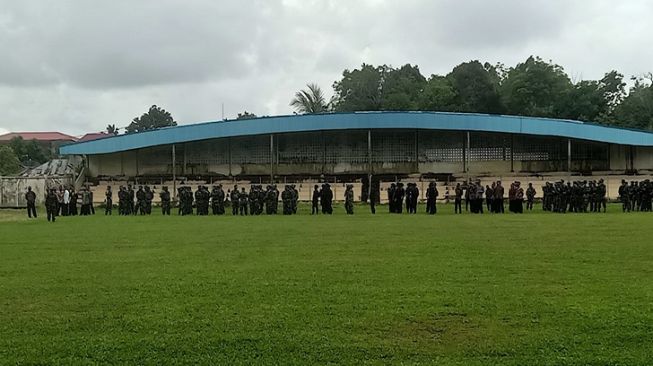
(644, 158)
(619, 157)
(13, 189)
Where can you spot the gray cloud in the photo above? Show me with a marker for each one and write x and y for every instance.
(75, 65)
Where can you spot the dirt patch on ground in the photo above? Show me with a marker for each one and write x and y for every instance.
(446, 329)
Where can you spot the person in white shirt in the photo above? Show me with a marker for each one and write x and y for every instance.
(66, 202)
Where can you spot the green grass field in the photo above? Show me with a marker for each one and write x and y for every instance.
(534, 289)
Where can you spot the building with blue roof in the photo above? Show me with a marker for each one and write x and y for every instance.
(370, 143)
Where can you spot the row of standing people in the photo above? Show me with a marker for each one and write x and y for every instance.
(577, 196)
(322, 200)
(636, 196)
(398, 196)
(63, 201)
(492, 197)
(142, 205)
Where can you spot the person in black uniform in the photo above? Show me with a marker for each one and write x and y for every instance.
(315, 209)
(108, 201)
(326, 199)
(530, 196)
(349, 199)
(165, 201)
(373, 196)
(431, 198)
(399, 195)
(458, 199)
(243, 203)
(30, 197)
(234, 196)
(391, 197)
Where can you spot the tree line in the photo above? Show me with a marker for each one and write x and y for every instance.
(534, 88)
(20, 153)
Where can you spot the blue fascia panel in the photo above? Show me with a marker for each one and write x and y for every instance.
(363, 120)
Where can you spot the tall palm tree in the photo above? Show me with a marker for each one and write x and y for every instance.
(113, 130)
(309, 101)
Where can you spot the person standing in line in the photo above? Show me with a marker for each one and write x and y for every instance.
(243, 203)
(165, 201)
(30, 197)
(431, 196)
(530, 197)
(315, 209)
(108, 201)
(349, 199)
(91, 208)
(66, 202)
(59, 195)
(499, 193)
(235, 197)
(51, 205)
(458, 199)
(72, 207)
(374, 193)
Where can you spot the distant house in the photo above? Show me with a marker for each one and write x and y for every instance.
(94, 136)
(49, 140)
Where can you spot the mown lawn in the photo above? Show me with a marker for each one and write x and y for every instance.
(534, 289)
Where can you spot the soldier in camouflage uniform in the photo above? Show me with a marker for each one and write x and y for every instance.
(108, 201)
(165, 201)
(349, 199)
(530, 197)
(243, 202)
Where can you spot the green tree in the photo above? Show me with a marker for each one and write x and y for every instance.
(476, 87)
(246, 115)
(29, 152)
(636, 110)
(593, 100)
(401, 88)
(155, 118)
(310, 100)
(9, 163)
(359, 89)
(536, 88)
(438, 95)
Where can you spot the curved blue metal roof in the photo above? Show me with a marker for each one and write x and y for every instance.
(363, 120)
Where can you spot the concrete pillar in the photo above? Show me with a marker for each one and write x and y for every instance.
(466, 147)
(512, 153)
(569, 155)
(174, 172)
(229, 154)
(271, 158)
(369, 164)
(324, 151)
(184, 167)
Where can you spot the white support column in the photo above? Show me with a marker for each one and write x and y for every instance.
(466, 155)
(174, 172)
(569, 155)
(271, 158)
(369, 164)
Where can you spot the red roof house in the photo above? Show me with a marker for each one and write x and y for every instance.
(39, 136)
(94, 136)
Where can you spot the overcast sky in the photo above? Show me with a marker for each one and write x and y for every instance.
(77, 65)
